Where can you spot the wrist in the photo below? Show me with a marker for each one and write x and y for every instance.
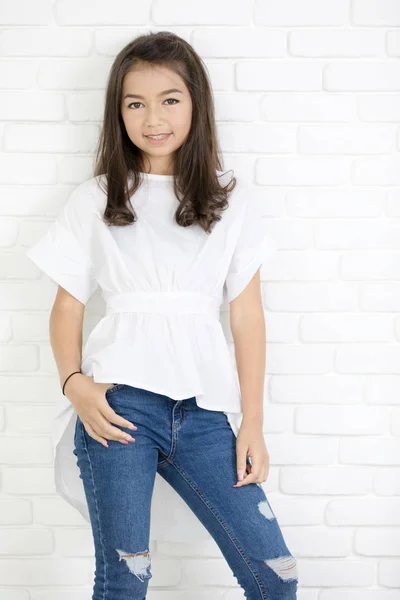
(70, 381)
(253, 419)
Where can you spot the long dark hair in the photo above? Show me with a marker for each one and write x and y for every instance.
(196, 182)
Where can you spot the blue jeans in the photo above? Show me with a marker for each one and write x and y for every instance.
(194, 450)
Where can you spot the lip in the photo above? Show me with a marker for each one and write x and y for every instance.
(156, 142)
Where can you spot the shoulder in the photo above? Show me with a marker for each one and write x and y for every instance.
(238, 198)
(90, 188)
(85, 199)
(240, 192)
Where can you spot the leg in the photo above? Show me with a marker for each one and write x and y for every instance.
(202, 469)
(118, 483)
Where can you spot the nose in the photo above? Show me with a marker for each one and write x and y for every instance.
(152, 117)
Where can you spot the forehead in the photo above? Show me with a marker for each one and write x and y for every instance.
(147, 80)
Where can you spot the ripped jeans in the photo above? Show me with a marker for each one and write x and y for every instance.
(119, 480)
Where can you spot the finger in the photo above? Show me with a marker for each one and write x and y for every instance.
(243, 469)
(251, 478)
(104, 428)
(113, 417)
(90, 431)
(117, 420)
(252, 473)
(240, 463)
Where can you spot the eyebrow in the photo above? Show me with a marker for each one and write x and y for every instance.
(173, 90)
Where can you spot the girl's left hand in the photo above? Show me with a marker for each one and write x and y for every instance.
(250, 442)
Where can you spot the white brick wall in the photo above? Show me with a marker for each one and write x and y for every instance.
(308, 105)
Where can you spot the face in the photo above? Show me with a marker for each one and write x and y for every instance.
(147, 109)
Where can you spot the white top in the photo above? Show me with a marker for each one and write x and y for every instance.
(163, 286)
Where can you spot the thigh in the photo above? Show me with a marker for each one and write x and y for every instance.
(118, 483)
(241, 520)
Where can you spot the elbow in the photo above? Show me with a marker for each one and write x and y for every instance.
(251, 317)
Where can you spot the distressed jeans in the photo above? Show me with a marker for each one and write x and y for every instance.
(194, 450)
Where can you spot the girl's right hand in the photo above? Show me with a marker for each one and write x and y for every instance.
(89, 401)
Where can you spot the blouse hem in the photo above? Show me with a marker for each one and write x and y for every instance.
(156, 390)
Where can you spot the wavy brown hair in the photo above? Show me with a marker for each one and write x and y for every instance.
(196, 183)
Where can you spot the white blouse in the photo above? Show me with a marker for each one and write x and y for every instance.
(163, 286)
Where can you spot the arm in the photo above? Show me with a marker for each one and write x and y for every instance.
(248, 331)
(88, 397)
(63, 255)
(65, 328)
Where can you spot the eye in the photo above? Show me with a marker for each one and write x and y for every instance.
(167, 100)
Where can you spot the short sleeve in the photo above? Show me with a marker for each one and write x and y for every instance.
(60, 254)
(253, 247)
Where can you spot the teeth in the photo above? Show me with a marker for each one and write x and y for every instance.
(158, 137)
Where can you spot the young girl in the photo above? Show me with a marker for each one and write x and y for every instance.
(165, 234)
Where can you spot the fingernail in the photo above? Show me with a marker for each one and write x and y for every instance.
(240, 475)
(132, 426)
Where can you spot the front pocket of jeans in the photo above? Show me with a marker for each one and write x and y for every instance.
(114, 388)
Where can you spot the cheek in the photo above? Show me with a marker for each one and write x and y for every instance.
(183, 123)
(131, 119)
(134, 129)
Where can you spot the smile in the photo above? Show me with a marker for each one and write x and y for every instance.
(158, 139)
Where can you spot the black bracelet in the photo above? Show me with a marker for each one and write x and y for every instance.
(68, 378)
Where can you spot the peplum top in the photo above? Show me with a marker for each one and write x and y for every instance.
(163, 286)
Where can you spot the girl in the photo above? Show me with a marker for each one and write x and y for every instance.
(164, 233)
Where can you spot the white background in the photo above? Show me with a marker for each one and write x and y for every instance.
(307, 99)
